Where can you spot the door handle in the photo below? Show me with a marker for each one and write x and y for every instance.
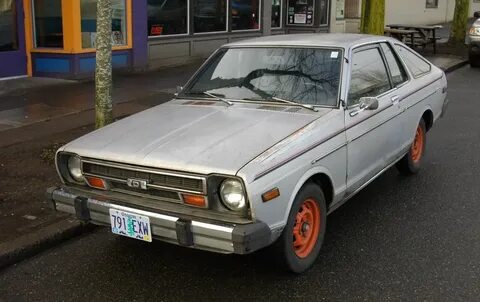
(395, 99)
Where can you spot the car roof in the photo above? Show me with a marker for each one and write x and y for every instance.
(345, 41)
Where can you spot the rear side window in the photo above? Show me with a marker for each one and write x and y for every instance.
(416, 64)
(369, 75)
(399, 75)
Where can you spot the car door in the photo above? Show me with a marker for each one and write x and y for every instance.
(373, 137)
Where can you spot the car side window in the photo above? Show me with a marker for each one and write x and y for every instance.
(416, 64)
(398, 73)
(369, 75)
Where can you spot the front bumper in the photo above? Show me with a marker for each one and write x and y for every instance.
(206, 235)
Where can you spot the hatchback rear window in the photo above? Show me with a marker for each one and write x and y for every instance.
(416, 64)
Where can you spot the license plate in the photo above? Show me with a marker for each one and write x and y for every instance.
(130, 225)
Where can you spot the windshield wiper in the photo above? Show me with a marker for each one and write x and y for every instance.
(310, 107)
(218, 98)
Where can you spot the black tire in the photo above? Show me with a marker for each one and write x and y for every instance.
(410, 164)
(284, 249)
(475, 62)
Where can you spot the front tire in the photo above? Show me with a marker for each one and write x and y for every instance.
(412, 161)
(302, 237)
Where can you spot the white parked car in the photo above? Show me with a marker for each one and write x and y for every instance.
(266, 139)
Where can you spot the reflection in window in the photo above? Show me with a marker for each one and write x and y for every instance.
(276, 13)
(396, 69)
(369, 75)
(89, 23)
(210, 16)
(323, 12)
(244, 14)
(167, 17)
(303, 75)
(8, 26)
(416, 64)
(48, 23)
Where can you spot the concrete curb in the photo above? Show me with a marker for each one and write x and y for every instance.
(31, 244)
(456, 66)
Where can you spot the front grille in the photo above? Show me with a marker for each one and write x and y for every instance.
(157, 180)
(152, 193)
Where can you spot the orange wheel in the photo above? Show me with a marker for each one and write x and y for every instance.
(417, 146)
(412, 161)
(306, 228)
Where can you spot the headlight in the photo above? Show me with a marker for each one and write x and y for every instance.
(475, 31)
(74, 167)
(233, 195)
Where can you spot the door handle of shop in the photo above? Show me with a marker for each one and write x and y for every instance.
(395, 99)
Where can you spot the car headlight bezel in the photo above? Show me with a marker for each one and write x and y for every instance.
(63, 162)
(74, 166)
(233, 195)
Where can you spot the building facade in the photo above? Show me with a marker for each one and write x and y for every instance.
(56, 38)
(415, 12)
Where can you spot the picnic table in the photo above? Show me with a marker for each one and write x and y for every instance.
(424, 34)
(407, 36)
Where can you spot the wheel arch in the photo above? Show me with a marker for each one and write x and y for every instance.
(321, 177)
(427, 117)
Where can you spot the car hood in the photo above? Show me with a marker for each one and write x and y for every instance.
(194, 136)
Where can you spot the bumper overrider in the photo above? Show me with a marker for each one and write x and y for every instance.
(206, 235)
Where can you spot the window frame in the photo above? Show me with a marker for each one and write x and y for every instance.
(418, 56)
(34, 29)
(128, 33)
(341, 79)
(227, 22)
(400, 63)
(15, 36)
(260, 17)
(431, 5)
(281, 16)
(175, 35)
(363, 47)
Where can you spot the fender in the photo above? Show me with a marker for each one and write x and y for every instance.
(312, 171)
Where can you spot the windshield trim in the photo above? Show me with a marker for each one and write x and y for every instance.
(225, 48)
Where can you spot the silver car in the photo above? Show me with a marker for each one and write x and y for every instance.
(473, 41)
(267, 138)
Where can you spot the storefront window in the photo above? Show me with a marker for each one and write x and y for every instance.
(209, 16)
(167, 17)
(89, 23)
(8, 26)
(276, 13)
(48, 28)
(244, 14)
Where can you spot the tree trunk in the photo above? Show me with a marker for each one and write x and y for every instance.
(373, 17)
(103, 68)
(460, 21)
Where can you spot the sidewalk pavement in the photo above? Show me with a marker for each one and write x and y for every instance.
(34, 116)
(31, 100)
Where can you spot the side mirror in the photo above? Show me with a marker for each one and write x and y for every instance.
(179, 89)
(365, 103)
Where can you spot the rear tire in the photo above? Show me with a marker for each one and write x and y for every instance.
(299, 245)
(412, 161)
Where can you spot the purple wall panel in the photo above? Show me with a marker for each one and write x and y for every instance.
(140, 37)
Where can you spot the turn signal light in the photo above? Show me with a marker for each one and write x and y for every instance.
(269, 195)
(96, 182)
(195, 200)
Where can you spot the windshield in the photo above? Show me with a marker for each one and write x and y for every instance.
(302, 75)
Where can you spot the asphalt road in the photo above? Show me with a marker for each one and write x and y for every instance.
(401, 239)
